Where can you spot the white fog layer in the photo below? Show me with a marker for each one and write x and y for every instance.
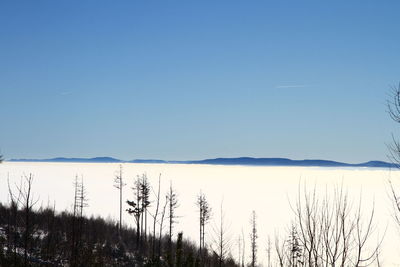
(269, 191)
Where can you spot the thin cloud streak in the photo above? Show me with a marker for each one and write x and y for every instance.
(291, 86)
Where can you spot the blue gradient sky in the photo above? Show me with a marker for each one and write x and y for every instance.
(197, 79)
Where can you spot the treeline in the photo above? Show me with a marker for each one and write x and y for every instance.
(50, 242)
(327, 230)
(40, 236)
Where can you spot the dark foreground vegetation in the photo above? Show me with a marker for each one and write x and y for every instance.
(62, 239)
(327, 230)
(39, 236)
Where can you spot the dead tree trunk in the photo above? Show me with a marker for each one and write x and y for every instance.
(27, 203)
(172, 206)
(119, 184)
(253, 239)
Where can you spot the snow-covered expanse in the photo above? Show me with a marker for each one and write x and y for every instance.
(267, 190)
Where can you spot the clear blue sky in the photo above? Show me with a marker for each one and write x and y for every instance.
(198, 79)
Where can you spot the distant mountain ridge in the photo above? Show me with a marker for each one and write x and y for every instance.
(62, 159)
(247, 161)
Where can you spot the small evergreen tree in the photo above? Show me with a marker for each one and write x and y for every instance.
(145, 193)
(136, 209)
(294, 248)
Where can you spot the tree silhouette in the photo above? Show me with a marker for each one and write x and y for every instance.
(393, 107)
(145, 193)
(331, 231)
(119, 184)
(221, 245)
(80, 202)
(27, 202)
(172, 199)
(204, 217)
(253, 239)
(155, 216)
(136, 209)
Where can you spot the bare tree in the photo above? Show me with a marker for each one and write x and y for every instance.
(222, 241)
(330, 231)
(396, 203)
(163, 213)
(74, 223)
(204, 217)
(280, 251)
(12, 229)
(80, 202)
(172, 198)
(119, 184)
(27, 202)
(155, 216)
(393, 106)
(253, 239)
